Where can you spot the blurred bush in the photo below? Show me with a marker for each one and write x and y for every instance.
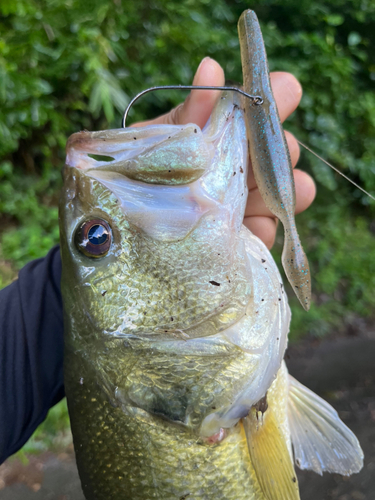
(72, 65)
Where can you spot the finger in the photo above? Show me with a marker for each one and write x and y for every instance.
(263, 227)
(287, 92)
(199, 104)
(293, 147)
(305, 190)
(294, 152)
(305, 194)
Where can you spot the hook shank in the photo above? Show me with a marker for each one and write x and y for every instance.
(257, 99)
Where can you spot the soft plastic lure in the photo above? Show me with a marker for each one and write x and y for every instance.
(269, 153)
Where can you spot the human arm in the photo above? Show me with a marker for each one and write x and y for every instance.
(31, 350)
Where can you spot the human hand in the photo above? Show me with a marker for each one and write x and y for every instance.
(197, 109)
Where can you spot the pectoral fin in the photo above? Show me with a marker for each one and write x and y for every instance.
(321, 441)
(270, 456)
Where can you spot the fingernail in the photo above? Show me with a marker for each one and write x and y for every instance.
(199, 67)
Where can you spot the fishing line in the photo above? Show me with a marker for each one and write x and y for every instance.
(335, 169)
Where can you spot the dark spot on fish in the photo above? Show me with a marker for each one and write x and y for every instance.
(263, 260)
(171, 318)
(214, 283)
(262, 404)
(104, 292)
(170, 409)
(185, 496)
(195, 131)
(213, 407)
(262, 300)
(169, 137)
(256, 312)
(234, 173)
(101, 157)
(277, 338)
(135, 138)
(294, 479)
(279, 299)
(169, 170)
(241, 170)
(296, 286)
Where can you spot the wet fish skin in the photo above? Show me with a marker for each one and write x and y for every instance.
(269, 153)
(141, 387)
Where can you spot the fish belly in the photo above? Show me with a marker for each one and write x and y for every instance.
(133, 455)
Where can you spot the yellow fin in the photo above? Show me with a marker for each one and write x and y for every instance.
(270, 456)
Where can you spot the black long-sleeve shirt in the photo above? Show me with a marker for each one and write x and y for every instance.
(31, 350)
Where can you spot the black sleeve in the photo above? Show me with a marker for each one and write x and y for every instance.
(31, 350)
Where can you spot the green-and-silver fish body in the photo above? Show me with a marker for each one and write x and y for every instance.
(176, 324)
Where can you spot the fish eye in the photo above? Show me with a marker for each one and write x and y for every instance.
(93, 238)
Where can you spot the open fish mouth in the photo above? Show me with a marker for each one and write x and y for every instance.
(162, 175)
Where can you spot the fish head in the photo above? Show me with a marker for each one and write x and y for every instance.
(147, 218)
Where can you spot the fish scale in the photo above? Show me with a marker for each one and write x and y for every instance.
(118, 448)
(162, 276)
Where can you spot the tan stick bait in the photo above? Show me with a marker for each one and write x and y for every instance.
(269, 153)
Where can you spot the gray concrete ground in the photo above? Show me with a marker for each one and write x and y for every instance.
(340, 369)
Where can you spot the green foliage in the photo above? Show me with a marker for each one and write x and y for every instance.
(72, 65)
(342, 256)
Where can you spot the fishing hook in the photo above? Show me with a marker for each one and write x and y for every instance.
(257, 99)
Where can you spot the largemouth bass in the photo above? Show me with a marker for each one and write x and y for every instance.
(176, 322)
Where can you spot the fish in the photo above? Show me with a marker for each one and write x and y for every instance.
(176, 319)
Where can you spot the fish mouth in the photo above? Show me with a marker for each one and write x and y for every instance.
(162, 174)
(158, 154)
